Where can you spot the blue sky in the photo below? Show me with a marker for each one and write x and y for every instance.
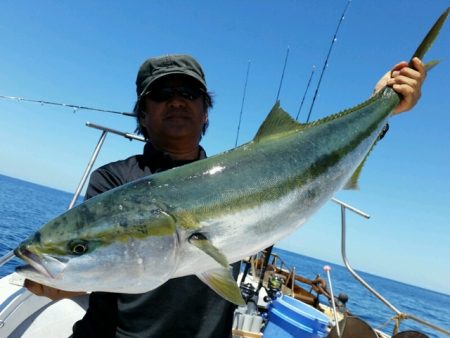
(88, 54)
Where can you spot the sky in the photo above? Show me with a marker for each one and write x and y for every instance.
(88, 53)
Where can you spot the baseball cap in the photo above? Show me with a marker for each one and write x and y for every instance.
(158, 67)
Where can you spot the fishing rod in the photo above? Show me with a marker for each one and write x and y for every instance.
(306, 91)
(10, 255)
(245, 90)
(242, 104)
(282, 74)
(73, 106)
(326, 59)
(268, 250)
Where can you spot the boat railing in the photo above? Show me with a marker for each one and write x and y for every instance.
(399, 316)
(105, 130)
(21, 296)
(267, 264)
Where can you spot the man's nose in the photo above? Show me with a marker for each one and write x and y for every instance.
(177, 100)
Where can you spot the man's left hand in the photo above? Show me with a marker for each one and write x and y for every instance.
(406, 81)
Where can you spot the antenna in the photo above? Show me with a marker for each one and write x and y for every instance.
(282, 74)
(306, 91)
(242, 104)
(326, 59)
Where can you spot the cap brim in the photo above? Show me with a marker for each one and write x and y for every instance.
(193, 75)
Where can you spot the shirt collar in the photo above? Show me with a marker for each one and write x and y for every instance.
(158, 161)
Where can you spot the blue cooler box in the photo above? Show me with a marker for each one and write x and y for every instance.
(289, 317)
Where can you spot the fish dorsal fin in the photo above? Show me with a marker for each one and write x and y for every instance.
(278, 121)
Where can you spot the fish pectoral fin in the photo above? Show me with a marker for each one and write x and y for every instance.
(222, 282)
(278, 121)
(201, 242)
(219, 279)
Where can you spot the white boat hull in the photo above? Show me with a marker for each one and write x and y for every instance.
(23, 314)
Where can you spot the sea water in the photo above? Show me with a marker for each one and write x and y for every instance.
(25, 206)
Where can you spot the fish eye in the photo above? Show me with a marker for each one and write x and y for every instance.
(78, 247)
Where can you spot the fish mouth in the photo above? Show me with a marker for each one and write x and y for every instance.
(39, 263)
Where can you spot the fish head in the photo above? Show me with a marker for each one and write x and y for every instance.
(90, 250)
(59, 262)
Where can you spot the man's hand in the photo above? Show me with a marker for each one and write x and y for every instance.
(49, 292)
(405, 81)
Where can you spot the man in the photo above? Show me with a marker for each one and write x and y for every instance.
(172, 113)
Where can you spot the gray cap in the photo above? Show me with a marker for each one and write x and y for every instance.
(158, 67)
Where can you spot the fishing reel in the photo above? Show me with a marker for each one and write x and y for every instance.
(250, 297)
(274, 285)
(248, 291)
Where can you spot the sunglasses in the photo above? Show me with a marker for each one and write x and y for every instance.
(161, 94)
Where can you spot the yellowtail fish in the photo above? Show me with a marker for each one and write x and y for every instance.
(198, 218)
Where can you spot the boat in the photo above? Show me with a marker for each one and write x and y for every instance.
(278, 302)
(22, 314)
(285, 309)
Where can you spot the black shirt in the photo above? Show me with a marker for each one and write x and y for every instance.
(182, 307)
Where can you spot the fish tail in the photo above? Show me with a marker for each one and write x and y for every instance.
(431, 64)
(430, 37)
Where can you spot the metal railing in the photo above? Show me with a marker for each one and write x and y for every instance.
(105, 130)
(398, 314)
(21, 296)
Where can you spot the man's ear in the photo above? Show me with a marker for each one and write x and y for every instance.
(205, 123)
(141, 116)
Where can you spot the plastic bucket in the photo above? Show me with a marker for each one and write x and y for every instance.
(289, 317)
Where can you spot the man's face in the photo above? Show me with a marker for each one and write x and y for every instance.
(177, 117)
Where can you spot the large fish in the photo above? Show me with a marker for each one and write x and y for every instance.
(198, 218)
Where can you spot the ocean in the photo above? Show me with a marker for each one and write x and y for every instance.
(25, 206)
